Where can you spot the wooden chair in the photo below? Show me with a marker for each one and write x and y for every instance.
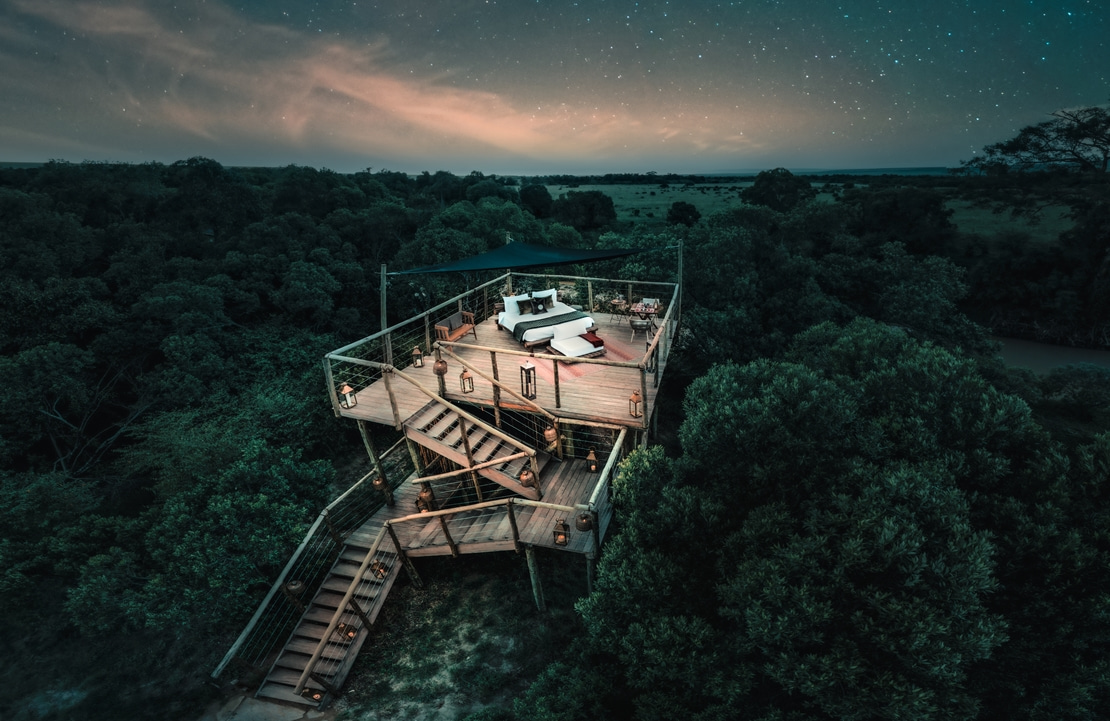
(639, 325)
(618, 308)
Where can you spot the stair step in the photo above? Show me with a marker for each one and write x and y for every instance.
(279, 692)
(308, 647)
(289, 677)
(489, 450)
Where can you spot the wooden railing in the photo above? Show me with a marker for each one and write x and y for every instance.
(276, 615)
(367, 361)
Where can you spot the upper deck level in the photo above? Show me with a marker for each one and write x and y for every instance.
(387, 386)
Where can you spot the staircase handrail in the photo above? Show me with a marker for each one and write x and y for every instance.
(320, 518)
(476, 467)
(355, 582)
(606, 472)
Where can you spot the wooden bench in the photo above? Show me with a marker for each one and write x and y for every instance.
(456, 326)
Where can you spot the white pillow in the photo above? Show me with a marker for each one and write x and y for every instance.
(567, 330)
(552, 294)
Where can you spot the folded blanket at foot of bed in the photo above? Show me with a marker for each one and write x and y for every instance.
(569, 342)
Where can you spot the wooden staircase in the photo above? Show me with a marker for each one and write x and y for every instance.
(472, 445)
(342, 645)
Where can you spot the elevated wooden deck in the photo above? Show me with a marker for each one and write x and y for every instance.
(586, 390)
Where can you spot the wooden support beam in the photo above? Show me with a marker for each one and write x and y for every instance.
(516, 531)
(366, 624)
(409, 567)
(335, 537)
(447, 534)
(496, 390)
(534, 573)
(385, 487)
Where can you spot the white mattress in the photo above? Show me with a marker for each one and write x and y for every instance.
(509, 321)
(575, 346)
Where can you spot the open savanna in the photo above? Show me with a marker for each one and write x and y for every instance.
(647, 204)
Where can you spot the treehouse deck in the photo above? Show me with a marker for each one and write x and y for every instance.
(585, 390)
(336, 637)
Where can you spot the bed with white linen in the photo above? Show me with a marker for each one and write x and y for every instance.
(533, 318)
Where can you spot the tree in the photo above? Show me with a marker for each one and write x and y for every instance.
(682, 213)
(1075, 138)
(778, 189)
(584, 210)
(536, 199)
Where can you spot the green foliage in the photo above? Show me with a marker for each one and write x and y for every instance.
(863, 529)
(778, 189)
(682, 213)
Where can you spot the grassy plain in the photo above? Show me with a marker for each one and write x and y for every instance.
(647, 205)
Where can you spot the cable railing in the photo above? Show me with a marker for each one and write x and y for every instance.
(280, 610)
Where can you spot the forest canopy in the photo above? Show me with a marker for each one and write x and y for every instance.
(861, 514)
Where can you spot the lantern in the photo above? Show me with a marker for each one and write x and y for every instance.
(466, 381)
(295, 588)
(591, 462)
(347, 396)
(550, 435)
(378, 570)
(650, 367)
(347, 631)
(561, 533)
(527, 478)
(636, 404)
(379, 483)
(440, 368)
(528, 380)
(584, 522)
(425, 501)
(417, 358)
(312, 694)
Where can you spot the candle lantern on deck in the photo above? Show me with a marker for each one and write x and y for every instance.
(636, 404)
(584, 522)
(591, 462)
(424, 501)
(466, 381)
(312, 694)
(378, 570)
(528, 380)
(527, 478)
(347, 631)
(417, 357)
(561, 532)
(347, 396)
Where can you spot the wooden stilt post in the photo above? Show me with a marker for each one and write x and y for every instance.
(496, 390)
(384, 486)
(447, 534)
(516, 531)
(409, 568)
(534, 572)
(335, 537)
(414, 454)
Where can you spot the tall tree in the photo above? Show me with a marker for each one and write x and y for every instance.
(1075, 138)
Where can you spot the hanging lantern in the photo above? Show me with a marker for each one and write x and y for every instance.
(440, 367)
(528, 380)
(466, 381)
(379, 483)
(295, 587)
(347, 396)
(636, 404)
(591, 462)
(378, 570)
(527, 478)
(425, 501)
(550, 435)
(561, 533)
(417, 357)
(584, 522)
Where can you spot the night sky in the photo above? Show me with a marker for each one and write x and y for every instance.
(537, 86)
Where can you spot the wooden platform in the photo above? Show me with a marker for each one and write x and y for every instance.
(586, 392)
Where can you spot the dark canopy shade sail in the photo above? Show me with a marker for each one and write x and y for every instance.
(518, 256)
